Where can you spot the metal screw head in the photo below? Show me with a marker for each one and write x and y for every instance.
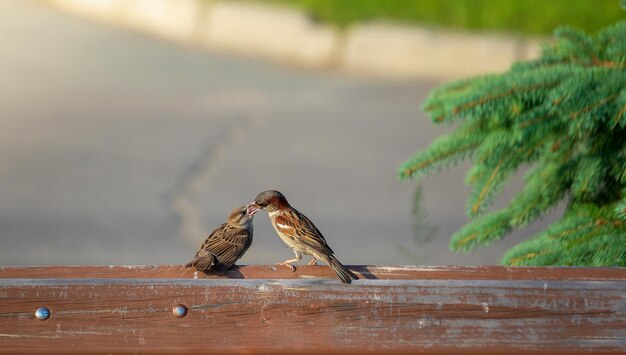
(179, 310)
(42, 313)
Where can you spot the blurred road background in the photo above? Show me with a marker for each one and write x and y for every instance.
(120, 148)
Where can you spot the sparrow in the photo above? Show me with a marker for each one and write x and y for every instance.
(226, 244)
(298, 232)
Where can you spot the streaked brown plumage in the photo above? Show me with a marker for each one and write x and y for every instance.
(226, 244)
(298, 232)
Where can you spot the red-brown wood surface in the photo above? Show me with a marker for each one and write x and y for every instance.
(264, 308)
(404, 272)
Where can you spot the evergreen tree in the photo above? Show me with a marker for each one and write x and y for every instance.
(562, 116)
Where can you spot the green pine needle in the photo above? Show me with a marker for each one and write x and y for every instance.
(564, 115)
(481, 232)
(583, 237)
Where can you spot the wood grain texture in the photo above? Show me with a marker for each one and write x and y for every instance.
(403, 272)
(124, 309)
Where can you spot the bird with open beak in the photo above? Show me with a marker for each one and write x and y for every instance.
(226, 244)
(298, 232)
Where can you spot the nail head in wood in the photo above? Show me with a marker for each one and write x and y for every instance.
(179, 310)
(42, 313)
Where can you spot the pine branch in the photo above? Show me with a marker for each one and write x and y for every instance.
(590, 175)
(593, 106)
(488, 189)
(566, 241)
(486, 99)
(489, 175)
(496, 89)
(482, 231)
(607, 64)
(545, 187)
(443, 152)
(564, 113)
(419, 163)
(618, 117)
(524, 258)
(620, 209)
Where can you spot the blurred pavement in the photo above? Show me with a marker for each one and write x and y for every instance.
(119, 148)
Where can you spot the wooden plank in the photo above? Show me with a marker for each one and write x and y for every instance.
(406, 272)
(404, 309)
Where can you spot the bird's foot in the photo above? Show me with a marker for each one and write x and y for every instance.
(293, 268)
(313, 262)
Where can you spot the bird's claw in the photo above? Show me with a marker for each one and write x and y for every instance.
(312, 262)
(293, 268)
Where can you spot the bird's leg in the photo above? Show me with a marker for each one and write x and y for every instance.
(313, 261)
(288, 262)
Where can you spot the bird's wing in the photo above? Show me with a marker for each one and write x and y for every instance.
(295, 225)
(228, 244)
(205, 245)
(202, 261)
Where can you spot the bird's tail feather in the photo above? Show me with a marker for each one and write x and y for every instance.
(344, 274)
(202, 263)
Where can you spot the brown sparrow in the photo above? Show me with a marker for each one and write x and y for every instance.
(226, 244)
(298, 232)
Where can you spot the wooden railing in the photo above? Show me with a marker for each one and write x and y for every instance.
(409, 309)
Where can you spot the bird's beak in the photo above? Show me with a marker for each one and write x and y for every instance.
(252, 208)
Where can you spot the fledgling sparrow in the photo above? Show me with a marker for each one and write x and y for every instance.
(226, 244)
(298, 232)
